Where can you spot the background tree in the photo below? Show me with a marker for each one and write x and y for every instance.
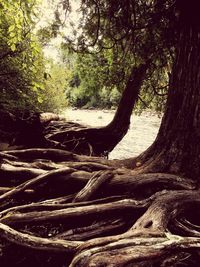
(55, 86)
(21, 61)
(23, 84)
(99, 82)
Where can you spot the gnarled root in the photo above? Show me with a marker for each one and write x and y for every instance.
(95, 212)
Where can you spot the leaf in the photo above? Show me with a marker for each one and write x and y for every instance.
(35, 89)
(42, 87)
(12, 34)
(11, 28)
(14, 40)
(40, 99)
(13, 47)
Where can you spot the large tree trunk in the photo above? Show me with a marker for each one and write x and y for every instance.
(177, 146)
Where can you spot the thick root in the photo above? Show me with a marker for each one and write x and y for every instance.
(96, 211)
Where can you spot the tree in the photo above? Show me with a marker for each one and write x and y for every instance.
(175, 148)
(101, 79)
(54, 96)
(140, 212)
(23, 68)
(107, 25)
(21, 57)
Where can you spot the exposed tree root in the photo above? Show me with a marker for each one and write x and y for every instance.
(37, 242)
(130, 252)
(96, 212)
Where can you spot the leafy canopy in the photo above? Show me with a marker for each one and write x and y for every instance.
(133, 32)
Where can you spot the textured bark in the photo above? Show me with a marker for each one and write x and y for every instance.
(177, 146)
(36, 242)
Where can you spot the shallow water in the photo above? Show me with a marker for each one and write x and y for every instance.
(142, 132)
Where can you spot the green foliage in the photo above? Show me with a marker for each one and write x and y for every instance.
(100, 78)
(44, 35)
(109, 98)
(24, 82)
(124, 34)
(54, 96)
(97, 80)
(21, 56)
